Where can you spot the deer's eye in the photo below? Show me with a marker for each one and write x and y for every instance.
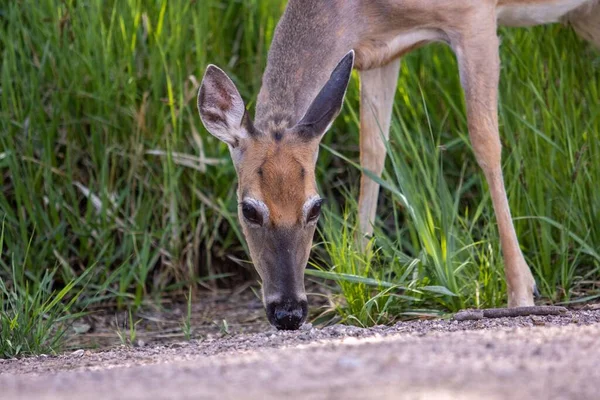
(315, 211)
(251, 214)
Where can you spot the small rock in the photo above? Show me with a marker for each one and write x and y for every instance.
(306, 327)
(537, 320)
(139, 343)
(78, 353)
(81, 328)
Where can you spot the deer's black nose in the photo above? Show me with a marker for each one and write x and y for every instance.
(287, 314)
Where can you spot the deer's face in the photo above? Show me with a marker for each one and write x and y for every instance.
(278, 203)
(278, 209)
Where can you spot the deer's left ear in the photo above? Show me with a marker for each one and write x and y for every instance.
(327, 105)
(222, 109)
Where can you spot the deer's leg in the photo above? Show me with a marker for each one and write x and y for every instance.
(476, 48)
(377, 88)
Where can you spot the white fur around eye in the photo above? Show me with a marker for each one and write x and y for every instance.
(308, 205)
(259, 206)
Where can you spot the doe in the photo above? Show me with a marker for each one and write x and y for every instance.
(302, 92)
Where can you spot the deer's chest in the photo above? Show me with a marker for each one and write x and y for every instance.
(380, 49)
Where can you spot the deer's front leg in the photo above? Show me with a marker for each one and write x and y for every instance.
(377, 89)
(476, 47)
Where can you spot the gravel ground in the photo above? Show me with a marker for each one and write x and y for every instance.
(550, 357)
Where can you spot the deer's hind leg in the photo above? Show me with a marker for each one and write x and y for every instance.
(377, 89)
(586, 22)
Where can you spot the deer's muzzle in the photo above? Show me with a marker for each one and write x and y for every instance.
(288, 314)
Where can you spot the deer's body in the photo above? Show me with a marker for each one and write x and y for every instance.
(313, 35)
(300, 97)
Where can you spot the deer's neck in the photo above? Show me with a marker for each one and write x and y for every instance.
(310, 39)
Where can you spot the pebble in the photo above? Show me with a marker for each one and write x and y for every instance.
(81, 328)
(78, 353)
(306, 327)
(537, 320)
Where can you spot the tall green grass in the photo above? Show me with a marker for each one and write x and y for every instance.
(33, 316)
(101, 144)
(104, 162)
(102, 158)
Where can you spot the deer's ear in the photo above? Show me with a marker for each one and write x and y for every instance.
(326, 106)
(221, 108)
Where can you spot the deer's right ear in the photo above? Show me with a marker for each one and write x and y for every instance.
(221, 107)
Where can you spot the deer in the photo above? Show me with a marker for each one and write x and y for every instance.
(315, 47)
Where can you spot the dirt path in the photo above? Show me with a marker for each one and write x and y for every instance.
(520, 358)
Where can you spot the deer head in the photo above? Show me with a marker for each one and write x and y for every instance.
(277, 194)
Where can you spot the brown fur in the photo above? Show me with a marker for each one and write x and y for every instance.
(313, 35)
(586, 21)
(269, 170)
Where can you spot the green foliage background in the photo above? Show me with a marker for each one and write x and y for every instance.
(106, 168)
